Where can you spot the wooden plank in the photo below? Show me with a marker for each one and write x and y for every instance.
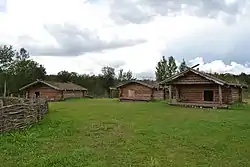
(220, 95)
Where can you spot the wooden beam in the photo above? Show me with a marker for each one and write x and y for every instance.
(195, 66)
(177, 94)
(241, 95)
(4, 90)
(220, 95)
(164, 92)
(191, 82)
(152, 94)
(170, 93)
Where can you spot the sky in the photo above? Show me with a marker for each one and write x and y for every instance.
(84, 35)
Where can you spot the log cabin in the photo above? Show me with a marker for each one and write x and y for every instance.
(135, 90)
(196, 88)
(53, 90)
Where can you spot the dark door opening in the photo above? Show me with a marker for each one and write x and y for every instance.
(37, 94)
(208, 95)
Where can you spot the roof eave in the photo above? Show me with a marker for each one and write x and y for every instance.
(134, 81)
(28, 85)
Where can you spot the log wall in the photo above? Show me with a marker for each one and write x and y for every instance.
(141, 92)
(45, 92)
(73, 94)
(191, 88)
(235, 94)
(158, 94)
(195, 93)
(191, 78)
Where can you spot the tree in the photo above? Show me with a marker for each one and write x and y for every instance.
(120, 75)
(109, 77)
(162, 69)
(24, 71)
(172, 68)
(64, 76)
(125, 76)
(22, 54)
(7, 55)
(129, 75)
(182, 66)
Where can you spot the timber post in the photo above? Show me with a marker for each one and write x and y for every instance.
(241, 95)
(170, 93)
(220, 95)
(164, 92)
(177, 94)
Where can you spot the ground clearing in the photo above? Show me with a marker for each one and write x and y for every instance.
(107, 133)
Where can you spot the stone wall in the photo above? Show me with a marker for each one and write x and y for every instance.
(18, 113)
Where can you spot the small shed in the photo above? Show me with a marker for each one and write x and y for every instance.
(136, 90)
(198, 88)
(53, 90)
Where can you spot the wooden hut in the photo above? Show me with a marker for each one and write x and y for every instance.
(53, 90)
(135, 90)
(195, 88)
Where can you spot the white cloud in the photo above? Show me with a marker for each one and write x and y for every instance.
(134, 38)
(219, 66)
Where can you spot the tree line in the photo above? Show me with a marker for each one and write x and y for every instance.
(18, 69)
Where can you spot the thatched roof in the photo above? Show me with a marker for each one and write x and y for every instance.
(204, 75)
(56, 85)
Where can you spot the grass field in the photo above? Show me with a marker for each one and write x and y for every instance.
(107, 133)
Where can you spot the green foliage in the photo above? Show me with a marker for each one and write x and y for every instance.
(120, 75)
(65, 76)
(172, 68)
(162, 69)
(22, 54)
(182, 66)
(109, 77)
(17, 69)
(108, 133)
(125, 76)
(7, 55)
(24, 71)
(165, 69)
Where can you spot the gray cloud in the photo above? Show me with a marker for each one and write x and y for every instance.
(124, 12)
(146, 75)
(140, 11)
(72, 41)
(112, 63)
(218, 42)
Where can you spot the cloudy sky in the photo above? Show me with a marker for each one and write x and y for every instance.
(84, 35)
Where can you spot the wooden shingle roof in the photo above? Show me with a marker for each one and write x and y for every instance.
(56, 85)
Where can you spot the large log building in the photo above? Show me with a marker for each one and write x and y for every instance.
(194, 87)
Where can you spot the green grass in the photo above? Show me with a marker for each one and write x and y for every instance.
(107, 133)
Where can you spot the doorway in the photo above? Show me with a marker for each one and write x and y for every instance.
(208, 95)
(37, 94)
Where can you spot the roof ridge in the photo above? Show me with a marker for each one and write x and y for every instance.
(202, 74)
